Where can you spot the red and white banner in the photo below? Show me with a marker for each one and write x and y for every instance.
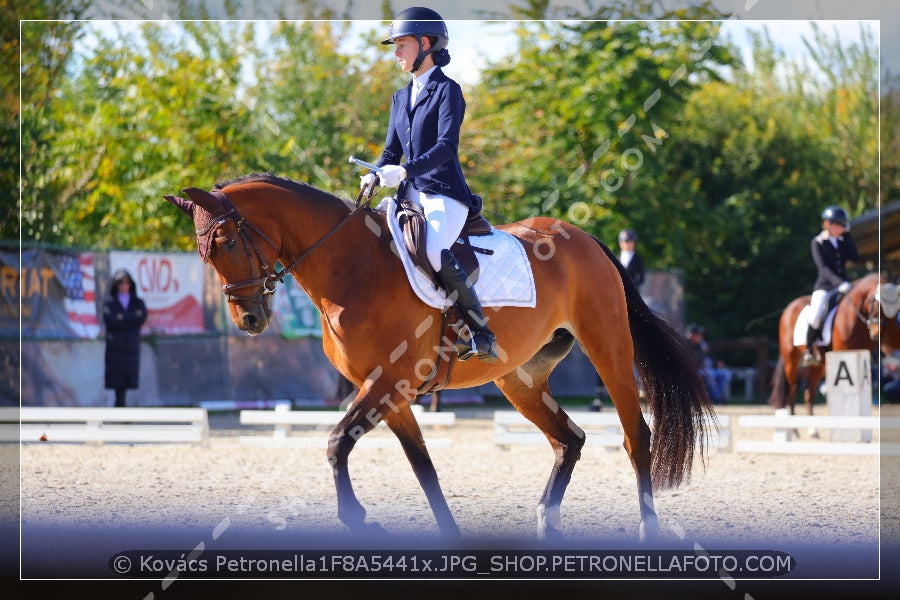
(171, 285)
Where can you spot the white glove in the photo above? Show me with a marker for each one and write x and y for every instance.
(844, 287)
(367, 183)
(392, 175)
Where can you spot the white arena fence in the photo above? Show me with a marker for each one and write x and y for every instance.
(314, 426)
(310, 428)
(104, 424)
(601, 429)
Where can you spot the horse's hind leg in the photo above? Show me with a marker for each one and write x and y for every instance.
(623, 392)
(528, 390)
(403, 423)
(614, 362)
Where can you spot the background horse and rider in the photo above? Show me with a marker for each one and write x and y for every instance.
(379, 334)
(867, 313)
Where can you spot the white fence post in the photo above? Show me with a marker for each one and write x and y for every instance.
(848, 390)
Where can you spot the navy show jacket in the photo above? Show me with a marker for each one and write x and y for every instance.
(830, 261)
(428, 135)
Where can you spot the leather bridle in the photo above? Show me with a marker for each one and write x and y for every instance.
(268, 278)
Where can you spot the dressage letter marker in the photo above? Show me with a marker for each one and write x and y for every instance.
(848, 378)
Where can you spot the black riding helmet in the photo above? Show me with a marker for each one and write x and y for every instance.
(420, 22)
(835, 214)
(627, 235)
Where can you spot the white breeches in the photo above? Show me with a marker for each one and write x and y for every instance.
(445, 218)
(817, 305)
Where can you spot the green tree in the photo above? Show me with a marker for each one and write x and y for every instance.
(324, 104)
(148, 113)
(145, 112)
(752, 168)
(890, 139)
(570, 126)
(845, 92)
(47, 47)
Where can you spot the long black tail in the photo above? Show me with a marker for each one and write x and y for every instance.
(679, 401)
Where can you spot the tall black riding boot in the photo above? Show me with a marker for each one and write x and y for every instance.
(455, 281)
(811, 356)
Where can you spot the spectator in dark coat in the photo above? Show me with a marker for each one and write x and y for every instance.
(124, 314)
(630, 258)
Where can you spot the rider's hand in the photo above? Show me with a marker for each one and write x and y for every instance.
(844, 287)
(367, 183)
(392, 175)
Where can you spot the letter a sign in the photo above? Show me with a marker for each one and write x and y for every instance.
(849, 391)
(842, 373)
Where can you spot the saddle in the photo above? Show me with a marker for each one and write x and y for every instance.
(412, 223)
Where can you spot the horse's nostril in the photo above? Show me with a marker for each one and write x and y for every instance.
(250, 321)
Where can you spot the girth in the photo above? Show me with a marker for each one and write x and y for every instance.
(447, 356)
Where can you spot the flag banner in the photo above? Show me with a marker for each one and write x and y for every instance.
(171, 285)
(80, 301)
(53, 293)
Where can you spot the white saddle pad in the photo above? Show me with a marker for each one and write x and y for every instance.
(505, 277)
(802, 325)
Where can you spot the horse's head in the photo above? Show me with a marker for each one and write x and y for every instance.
(879, 302)
(225, 240)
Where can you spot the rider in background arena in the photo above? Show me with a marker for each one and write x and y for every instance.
(426, 116)
(831, 250)
(630, 257)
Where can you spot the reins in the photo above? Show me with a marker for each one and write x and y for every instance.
(269, 281)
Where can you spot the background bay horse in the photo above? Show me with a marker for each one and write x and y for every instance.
(382, 338)
(859, 321)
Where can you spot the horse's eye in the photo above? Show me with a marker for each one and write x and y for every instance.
(228, 243)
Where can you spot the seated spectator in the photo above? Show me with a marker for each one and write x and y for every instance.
(715, 375)
(890, 374)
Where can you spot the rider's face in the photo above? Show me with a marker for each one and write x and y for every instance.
(835, 229)
(407, 49)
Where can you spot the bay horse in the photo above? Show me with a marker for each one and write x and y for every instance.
(868, 312)
(381, 337)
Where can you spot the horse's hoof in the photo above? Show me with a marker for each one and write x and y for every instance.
(375, 528)
(813, 433)
(372, 529)
(649, 530)
(548, 521)
(550, 533)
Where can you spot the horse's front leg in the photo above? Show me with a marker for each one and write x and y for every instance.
(404, 425)
(368, 409)
(809, 397)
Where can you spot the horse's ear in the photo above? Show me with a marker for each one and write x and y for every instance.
(186, 206)
(204, 199)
